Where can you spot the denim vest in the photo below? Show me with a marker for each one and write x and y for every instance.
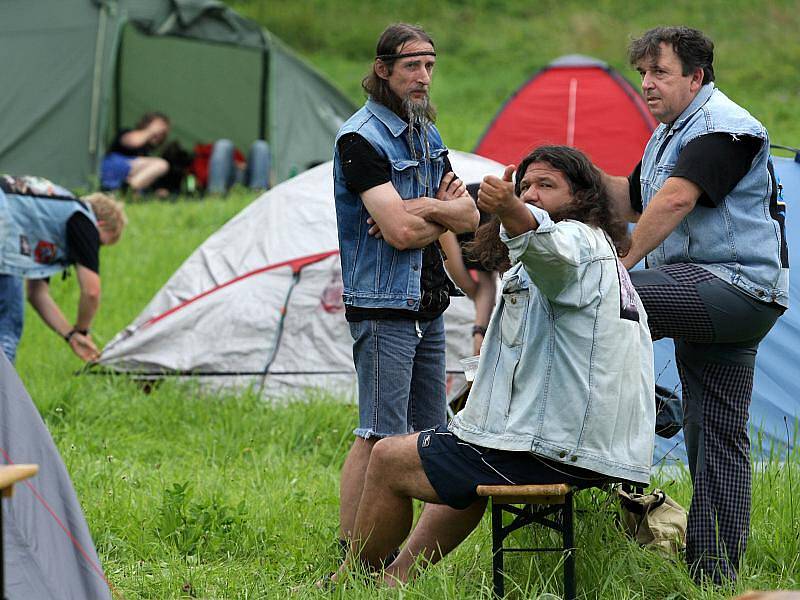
(33, 230)
(374, 274)
(737, 240)
(566, 367)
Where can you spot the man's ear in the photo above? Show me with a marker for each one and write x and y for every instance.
(697, 79)
(381, 69)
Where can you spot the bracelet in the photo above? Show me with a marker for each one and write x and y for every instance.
(478, 330)
(83, 331)
(69, 334)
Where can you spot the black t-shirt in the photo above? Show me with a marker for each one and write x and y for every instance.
(715, 162)
(363, 168)
(83, 242)
(118, 147)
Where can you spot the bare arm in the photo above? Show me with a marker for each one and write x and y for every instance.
(664, 212)
(400, 228)
(89, 302)
(151, 134)
(43, 303)
(618, 189)
(453, 207)
(455, 264)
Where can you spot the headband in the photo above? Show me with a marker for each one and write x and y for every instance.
(385, 57)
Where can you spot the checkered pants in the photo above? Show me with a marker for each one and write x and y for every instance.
(716, 330)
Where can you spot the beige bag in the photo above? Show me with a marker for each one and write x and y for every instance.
(654, 520)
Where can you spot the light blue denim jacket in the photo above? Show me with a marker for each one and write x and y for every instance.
(375, 274)
(561, 373)
(33, 233)
(737, 240)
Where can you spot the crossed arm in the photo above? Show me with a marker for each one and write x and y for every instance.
(417, 222)
(41, 300)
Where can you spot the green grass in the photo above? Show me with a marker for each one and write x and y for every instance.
(488, 48)
(191, 494)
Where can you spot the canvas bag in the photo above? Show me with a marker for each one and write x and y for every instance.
(654, 520)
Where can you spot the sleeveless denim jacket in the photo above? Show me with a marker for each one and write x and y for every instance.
(374, 274)
(738, 240)
(33, 230)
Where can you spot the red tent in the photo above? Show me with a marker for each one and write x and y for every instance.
(578, 101)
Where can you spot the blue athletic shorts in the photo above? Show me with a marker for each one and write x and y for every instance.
(455, 468)
(114, 170)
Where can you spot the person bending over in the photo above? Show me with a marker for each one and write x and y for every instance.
(49, 229)
(127, 161)
(564, 388)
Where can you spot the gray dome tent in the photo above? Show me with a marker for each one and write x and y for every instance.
(74, 71)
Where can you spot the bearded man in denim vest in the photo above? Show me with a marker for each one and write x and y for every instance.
(708, 223)
(395, 195)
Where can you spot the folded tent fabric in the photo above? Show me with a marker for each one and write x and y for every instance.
(49, 552)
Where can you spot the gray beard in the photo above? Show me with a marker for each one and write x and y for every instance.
(417, 112)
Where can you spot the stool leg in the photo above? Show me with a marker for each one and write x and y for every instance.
(569, 547)
(497, 549)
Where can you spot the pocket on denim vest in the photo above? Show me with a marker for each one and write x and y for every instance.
(404, 177)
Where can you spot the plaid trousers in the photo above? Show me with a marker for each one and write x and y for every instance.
(716, 329)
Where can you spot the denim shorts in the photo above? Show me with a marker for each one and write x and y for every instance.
(12, 310)
(401, 376)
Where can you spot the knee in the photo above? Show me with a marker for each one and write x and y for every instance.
(384, 455)
(160, 166)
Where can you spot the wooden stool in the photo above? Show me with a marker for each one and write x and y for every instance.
(547, 505)
(9, 475)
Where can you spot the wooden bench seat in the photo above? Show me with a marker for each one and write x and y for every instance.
(547, 505)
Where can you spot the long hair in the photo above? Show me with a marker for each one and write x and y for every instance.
(392, 40)
(590, 204)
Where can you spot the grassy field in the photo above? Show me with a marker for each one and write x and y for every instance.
(193, 495)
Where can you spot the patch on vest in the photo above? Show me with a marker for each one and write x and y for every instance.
(45, 252)
(24, 245)
(426, 440)
(627, 295)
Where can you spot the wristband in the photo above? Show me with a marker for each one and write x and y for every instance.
(83, 331)
(478, 330)
(69, 334)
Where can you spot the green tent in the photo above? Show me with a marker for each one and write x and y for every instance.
(75, 71)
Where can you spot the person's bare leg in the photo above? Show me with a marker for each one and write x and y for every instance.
(352, 484)
(394, 477)
(145, 170)
(439, 530)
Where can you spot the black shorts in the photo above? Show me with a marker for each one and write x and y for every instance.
(455, 468)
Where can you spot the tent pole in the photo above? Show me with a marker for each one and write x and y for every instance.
(262, 107)
(279, 331)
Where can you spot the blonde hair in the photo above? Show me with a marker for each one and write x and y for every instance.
(110, 211)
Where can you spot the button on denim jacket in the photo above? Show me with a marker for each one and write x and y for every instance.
(738, 240)
(561, 373)
(374, 274)
(33, 233)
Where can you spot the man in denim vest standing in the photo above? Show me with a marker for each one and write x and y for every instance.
(708, 223)
(395, 195)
